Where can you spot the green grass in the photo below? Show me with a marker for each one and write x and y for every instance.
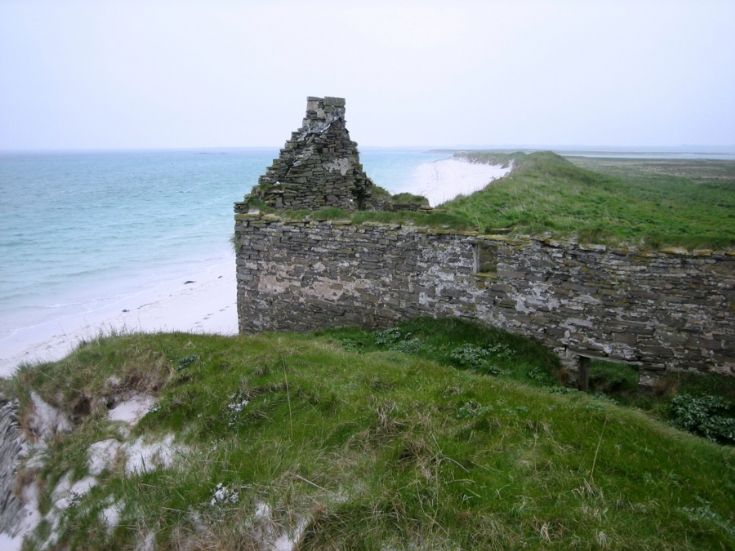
(436, 218)
(638, 203)
(648, 204)
(432, 435)
(620, 382)
(465, 345)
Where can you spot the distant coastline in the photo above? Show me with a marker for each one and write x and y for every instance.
(725, 153)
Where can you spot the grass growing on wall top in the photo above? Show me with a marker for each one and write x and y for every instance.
(436, 218)
(372, 444)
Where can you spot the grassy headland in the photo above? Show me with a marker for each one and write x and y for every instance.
(431, 435)
(647, 204)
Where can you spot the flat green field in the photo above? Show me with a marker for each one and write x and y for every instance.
(647, 203)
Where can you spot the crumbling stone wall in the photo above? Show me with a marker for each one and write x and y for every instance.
(656, 310)
(319, 166)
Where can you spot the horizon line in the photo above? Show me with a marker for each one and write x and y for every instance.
(602, 148)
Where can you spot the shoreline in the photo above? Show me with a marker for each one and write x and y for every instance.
(200, 300)
(198, 296)
(445, 179)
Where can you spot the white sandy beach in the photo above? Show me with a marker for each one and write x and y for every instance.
(443, 180)
(205, 306)
(208, 305)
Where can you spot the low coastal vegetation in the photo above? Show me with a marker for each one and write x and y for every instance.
(644, 204)
(434, 434)
(647, 203)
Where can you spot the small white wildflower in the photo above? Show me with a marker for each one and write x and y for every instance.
(223, 495)
(237, 406)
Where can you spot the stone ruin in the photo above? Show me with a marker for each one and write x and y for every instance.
(318, 167)
(657, 311)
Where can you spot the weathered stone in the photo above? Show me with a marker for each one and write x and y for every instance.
(659, 312)
(318, 167)
(680, 251)
(670, 309)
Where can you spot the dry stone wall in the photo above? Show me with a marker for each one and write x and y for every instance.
(659, 310)
(319, 166)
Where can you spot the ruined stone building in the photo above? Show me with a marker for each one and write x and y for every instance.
(319, 166)
(659, 311)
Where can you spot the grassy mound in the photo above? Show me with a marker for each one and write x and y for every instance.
(359, 440)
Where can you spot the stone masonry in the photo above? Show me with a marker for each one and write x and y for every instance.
(660, 311)
(318, 167)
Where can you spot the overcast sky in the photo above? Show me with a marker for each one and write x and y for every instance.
(149, 74)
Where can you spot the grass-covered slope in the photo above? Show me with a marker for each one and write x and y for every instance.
(643, 203)
(356, 440)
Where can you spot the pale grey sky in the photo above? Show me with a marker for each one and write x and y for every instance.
(148, 74)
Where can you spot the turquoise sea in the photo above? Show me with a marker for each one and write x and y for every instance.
(79, 230)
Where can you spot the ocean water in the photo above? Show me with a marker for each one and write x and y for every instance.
(80, 231)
